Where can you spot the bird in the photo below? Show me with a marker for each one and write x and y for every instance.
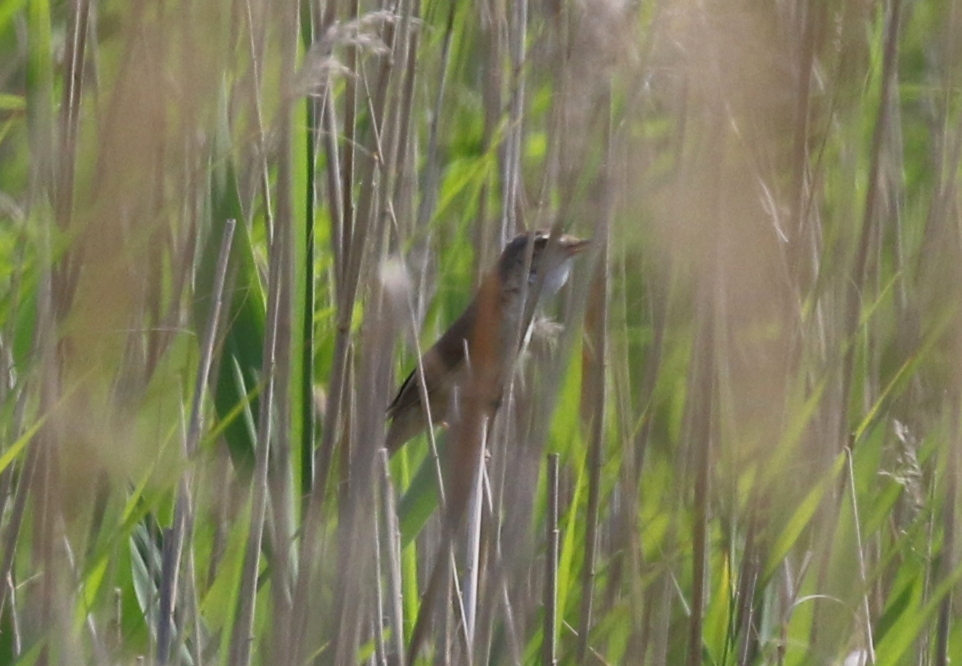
(483, 338)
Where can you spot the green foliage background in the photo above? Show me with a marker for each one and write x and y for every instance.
(228, 228)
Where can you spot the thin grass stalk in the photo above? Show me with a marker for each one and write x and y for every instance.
(98, 512)
(509, 611)
(472, 568)
(549, 653)
(142, 353)
(401, 171)
(358, 534)
(42, 483)
(496, 571)
(154, 566)
(350, 142)
(431, 173)
(196, 646)
(444, 574)
(99, 651)
(370, 224)
(353, 591)
(701, 392)
(812, 17)
(439, 587)
(175, 543)
(923, 642)
(854, 306)
(369, 203)
(852, 297)
(182, 254)
(560, 35)
(396, 142)
(349, 252)
(314, 500)
(594, 389)
(281, 531)
(745, 619)
(43, 608)
(192, 440)
(623, 584)
(40, 127)
(7, 488)
(179, 238)
(277, 361)
(337, 192)
(257, 26)
(70, 111)
(491, 97)
(511, 625)
(377, 628)
(511, 187)
(12, 533)
(941, 233)
(367, 173)
(321, 24)
(860, 556)
(337, 186)
(653, 360)
(949, 159)
(366, 239)
(947, 559)
(313, 117)
(8, 367)
(498, 566)
(595, 366)
(426, 404)
(243, 625)
(186, 588)
(15, 634)
(392, 555)
(11, 540)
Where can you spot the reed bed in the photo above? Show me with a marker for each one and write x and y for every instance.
(229, 229)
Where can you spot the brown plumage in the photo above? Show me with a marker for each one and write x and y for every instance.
(500, 306)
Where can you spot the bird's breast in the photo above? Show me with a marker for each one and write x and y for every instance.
(556, 278)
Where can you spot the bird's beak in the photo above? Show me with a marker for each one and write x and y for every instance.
(573, 246)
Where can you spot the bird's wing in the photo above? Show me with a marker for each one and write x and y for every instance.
(441, 364)
(408, 394)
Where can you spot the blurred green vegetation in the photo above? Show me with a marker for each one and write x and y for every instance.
(755, 399)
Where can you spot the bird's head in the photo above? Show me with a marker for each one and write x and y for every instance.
(554, 260)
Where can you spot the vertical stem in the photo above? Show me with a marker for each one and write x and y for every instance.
(511, 168)
(947, 560)
(858, 279)
(392, 550)
(595, 394)
(473, 524)
(173, 546)
(549, 655)
(702, 414)
(276, 360)
(312, 109)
